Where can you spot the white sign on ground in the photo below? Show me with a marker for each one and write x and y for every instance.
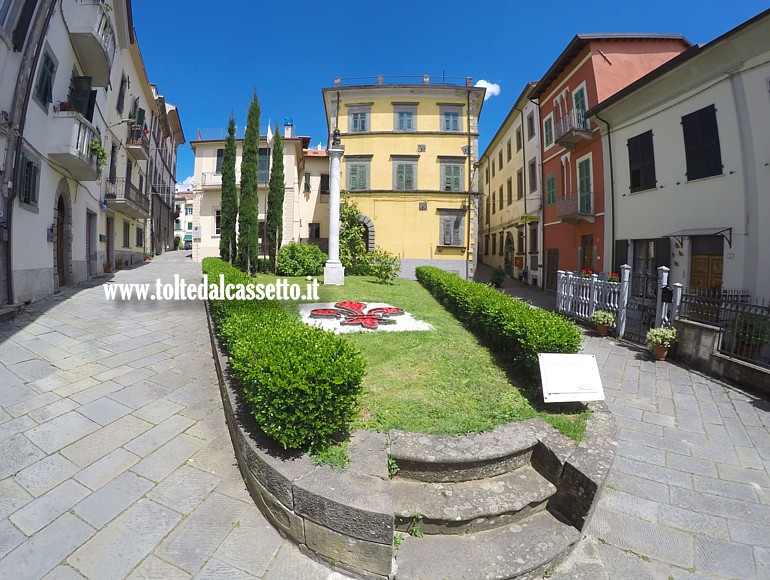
(570, 377)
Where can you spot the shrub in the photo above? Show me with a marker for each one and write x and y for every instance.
(301, 260)
(510, 326)
(383, 265)
(498, 277)
(301, 383)
(663, 336)
(603, 317)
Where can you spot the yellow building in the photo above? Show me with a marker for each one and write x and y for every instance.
(410, 165)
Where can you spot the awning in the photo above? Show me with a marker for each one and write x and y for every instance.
(726, 233)
(188, 237)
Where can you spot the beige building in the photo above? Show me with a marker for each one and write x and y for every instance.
(510, 170)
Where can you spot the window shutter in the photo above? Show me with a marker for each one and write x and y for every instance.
(400, 177)
(692, 141)
(446, 229)
(408, 176)
(712, 155)
(456, 179)
(81, 94)
(139, 117)
(647, 155)
(362, 177)
(22, 25)
(621, 255)
(91, 106)
(662, 253)
(353, 176)
(23, 177)
(34, 171)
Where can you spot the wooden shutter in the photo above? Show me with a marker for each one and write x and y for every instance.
(362, 177)
(662, 253)
(400, 177)
(22, 25)
(91, 106)
(408, 176)
(693, 139)
(34, 182)
(81, 94)
(712, 154)
(139, 117)
(353, 176)
(446, 230)
(647, 154)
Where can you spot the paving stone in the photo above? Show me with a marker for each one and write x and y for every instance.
(695, 522)
(12, 497)
(104, 410)
(61, 431)
(49, 506)
(217, 457)
(13, 395)
(720, 506)
(159, 435)
(42, 552)
(158, 464)
(622, 565)
(140, 394)
(712, 452)
(251, 544)
(644, 488)
(724, 558)
(108, 502)
(752, 534)
(12, 354)
(656, 442)
(63, 572)
(10, 537)
(153, 568)
(653, 472)
(642, 453)
(158, 411)
(46, 474)
(691, 464)
(114, 551)
(107, 468)
(53, 410)
(96, 392)
(630, 505)
(15, 426)
(185, 488)
(651, 540)
(107, 439)
(33, 403)
(17, 452)
(195, 540)
(762, 560)
(72, 388)
(32, 370)
(758, 477)
(218, 570)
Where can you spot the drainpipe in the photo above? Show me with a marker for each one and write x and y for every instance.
(32, 67)
(470, 187)
(541, 277)
(612, 195)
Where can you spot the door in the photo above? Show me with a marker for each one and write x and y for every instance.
(89, 242)
(551, 268)
(581, 106)
(110, 236)
(587, 252)
(706, 271)
(60, 242)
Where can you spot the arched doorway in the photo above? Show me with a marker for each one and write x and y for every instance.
(368, 233)
(62, 236)
(508, 251)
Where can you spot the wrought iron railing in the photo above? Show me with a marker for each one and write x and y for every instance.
(574, 204)
(574, 120)
(122, 189)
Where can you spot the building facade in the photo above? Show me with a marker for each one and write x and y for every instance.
(314, 201)
(690, 144)
(410, 165)
(591, 69)
(510, 201)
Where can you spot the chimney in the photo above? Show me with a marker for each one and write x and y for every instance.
(288, 128)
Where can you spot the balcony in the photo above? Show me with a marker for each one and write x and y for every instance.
(70, 138)
(571, 129)
(574, 207)
(126, 198)
(92, 37)
(211, 179)
(137, 143)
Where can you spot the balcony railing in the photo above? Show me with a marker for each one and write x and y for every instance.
(571, 128)
(138, 143)
(93, 38)
(128, 198)
(211, 179)
(576, 206)
(71, 136)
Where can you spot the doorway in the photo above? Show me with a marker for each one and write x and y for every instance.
(110, 238)
(551, 268)
(706, 262)
(61, 217)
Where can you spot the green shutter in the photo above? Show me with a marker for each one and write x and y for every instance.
(550, 190)
(584, 176)
(362, 177)
(352, 177)
(34, 183)
(400, 177)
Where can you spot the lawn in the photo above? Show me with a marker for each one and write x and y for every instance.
(442, 381)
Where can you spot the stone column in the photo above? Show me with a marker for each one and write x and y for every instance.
(334, 273)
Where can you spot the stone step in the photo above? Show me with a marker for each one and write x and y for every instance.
(8, 313)
(470, 506)
(475, 456)
(523, 550)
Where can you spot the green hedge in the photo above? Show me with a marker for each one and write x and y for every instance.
(300, 260)
(510, 326)
(301, 383)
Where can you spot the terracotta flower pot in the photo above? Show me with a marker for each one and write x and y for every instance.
(659, 352)
(602, 329)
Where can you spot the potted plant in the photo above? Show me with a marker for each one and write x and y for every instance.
(119, 264)
(661, 340)
(147, 256)
(107, 267)
(603, 320)
(498, 277)
(750, 333)
(100, 153)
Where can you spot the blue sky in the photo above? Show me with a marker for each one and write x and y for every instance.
(207, 57)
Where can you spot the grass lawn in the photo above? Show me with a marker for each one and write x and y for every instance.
(442, 381)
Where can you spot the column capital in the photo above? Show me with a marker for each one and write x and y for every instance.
(336, 151)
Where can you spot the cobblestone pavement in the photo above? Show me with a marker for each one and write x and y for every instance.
(115, 460)
(689, 492)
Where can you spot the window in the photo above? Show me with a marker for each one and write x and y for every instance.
(188, 211)
(404, 116)
(307, 183)
(451, 176)
(452, 227)
(585, 203)
(548, 131)
(501, 245)
(126, 234)
(314, 231)
(500, 159)
(189, 225)
(493, 168)
(81, 97)
(122, 94)
(508, 149)
(358, 118)
(324, 189)
(500, 198)
(701, 143)
(486, 175)
(533, 238)
(494, 204)
(520, 240)
(581, 106)
(530, 126)
(358, 175)
(486, 213)
(263, 165)
(450, 118)
(220, 158)
(30, 181)
(113, 175)
(45, 78)
(494, 244)
(510, 191)
(404, 174)
(532, 175)
(218, 222)
(641, 162)
(19, 36)
(518, 140)
(486, 245)
(519, 184)
(550, 190)
(177, 225)
(139, 236)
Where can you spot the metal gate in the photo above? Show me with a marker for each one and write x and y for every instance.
(641, 307)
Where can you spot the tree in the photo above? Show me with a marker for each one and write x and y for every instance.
(229, 216)
(248, 216)
(352, 245)
(274, 230)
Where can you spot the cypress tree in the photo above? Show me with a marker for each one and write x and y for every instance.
(275, 196)
(248, 216)
(227, 241)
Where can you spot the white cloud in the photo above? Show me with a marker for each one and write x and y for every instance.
(492, 89)
(186, 185)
